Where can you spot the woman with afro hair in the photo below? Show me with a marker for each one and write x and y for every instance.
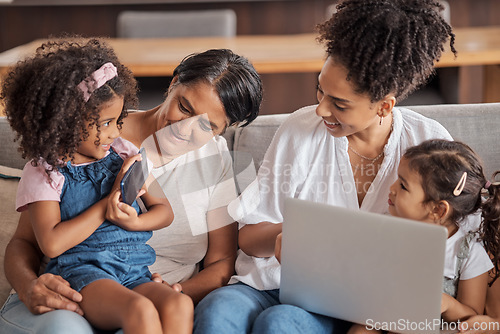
(344, 151)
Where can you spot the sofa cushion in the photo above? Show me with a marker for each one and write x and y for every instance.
(475, 124)
(9, 179)
(256, 137)
(9, 155)
(229, 136)
(249, 146)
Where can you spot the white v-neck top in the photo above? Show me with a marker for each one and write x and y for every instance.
(305, 161)
(196, 184)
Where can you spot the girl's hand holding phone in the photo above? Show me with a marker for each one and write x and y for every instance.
(121, 214)
(125, 167)
(118, 212)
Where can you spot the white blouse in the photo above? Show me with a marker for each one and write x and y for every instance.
(305, 161)
(195, 184)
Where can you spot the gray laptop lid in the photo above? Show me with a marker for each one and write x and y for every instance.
(362, 267)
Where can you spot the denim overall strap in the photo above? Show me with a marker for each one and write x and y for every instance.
(85, 185)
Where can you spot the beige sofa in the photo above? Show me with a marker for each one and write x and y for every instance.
(476, 124)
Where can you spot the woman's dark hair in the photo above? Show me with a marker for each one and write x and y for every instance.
(45, 107)
(387, 46)
(235, 79)
(441, 165)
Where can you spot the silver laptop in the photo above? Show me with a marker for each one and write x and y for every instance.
(381, 271)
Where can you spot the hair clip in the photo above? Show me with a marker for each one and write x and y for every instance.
(97, 79)
(461, 184)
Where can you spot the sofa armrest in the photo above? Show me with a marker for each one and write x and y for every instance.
(8, 220)
(9, 155)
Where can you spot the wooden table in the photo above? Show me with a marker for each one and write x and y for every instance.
(282, 53)
(160, 56)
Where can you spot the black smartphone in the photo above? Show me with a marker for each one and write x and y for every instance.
(134, 179)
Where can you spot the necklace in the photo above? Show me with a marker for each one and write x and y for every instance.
(372, 160)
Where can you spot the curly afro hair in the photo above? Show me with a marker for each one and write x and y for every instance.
(387, 46)
(47, 110)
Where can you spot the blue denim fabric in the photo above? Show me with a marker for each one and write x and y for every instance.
(15, 318)
(239, 308)
(110, 252)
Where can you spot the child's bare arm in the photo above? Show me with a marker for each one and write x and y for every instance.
(493, 300)
(480, 324)
(22, 264)
(470, 299)
(160, 213)
(489, 323)
(55, 236)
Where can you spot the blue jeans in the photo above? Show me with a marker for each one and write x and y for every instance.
(15, 318)
(239, 308)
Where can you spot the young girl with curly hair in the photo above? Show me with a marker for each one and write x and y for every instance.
(442, 182)
(343, 151)
(66, 104)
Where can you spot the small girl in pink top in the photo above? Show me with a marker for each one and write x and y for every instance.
(66, 104)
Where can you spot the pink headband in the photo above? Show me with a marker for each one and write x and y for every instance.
(97, 79)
